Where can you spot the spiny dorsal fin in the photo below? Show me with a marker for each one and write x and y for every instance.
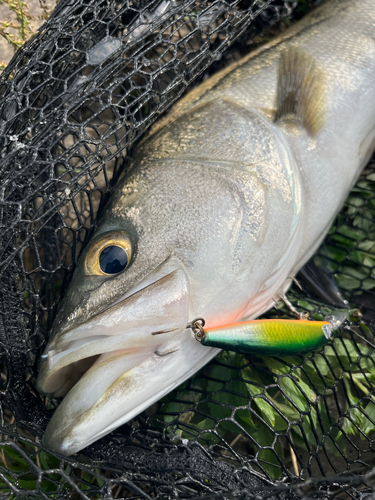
(301, 91)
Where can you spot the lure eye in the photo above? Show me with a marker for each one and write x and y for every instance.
(109, 255)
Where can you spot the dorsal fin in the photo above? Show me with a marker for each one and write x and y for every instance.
(301, 91)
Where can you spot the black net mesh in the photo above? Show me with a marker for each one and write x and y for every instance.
(74, 100)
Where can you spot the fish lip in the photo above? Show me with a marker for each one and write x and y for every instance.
(74, 427)
(61, 330)
(78, 345)
(174, 264)
(133, 290)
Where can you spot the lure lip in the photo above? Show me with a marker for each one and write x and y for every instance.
(337, 318)
(327, 330)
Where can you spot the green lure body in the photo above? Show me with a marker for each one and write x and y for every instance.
(273, 337)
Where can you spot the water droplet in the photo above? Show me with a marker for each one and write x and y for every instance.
(102, 50)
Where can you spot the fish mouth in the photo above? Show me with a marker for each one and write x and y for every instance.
(148, 315)
(112, 367)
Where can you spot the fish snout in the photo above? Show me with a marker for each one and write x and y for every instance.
(135, 325)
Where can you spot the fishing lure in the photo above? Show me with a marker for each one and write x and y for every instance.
(272, 337)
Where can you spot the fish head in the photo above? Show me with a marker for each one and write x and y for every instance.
(179, 238)
(126, 305)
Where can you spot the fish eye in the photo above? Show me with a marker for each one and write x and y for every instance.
(113, 260)
(109, 255)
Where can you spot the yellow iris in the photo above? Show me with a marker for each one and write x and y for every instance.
(108, 239)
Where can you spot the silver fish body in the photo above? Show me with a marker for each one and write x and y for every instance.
(226, 198)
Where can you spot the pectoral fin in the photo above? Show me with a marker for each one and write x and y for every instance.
(301, 92)
(319, 281)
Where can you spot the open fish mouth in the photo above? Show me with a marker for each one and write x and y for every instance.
(145, 318)
(112, 367)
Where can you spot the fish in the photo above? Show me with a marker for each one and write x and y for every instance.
(224, 200)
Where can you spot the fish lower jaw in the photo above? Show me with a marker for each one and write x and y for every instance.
(70, 440)
(61, 369)
(109, 395)
(58, 376)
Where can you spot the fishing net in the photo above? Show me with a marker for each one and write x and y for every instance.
(74, 101)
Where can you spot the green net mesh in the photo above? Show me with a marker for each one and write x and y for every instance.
(73, 102)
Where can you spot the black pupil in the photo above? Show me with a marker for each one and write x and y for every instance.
(113, 260)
